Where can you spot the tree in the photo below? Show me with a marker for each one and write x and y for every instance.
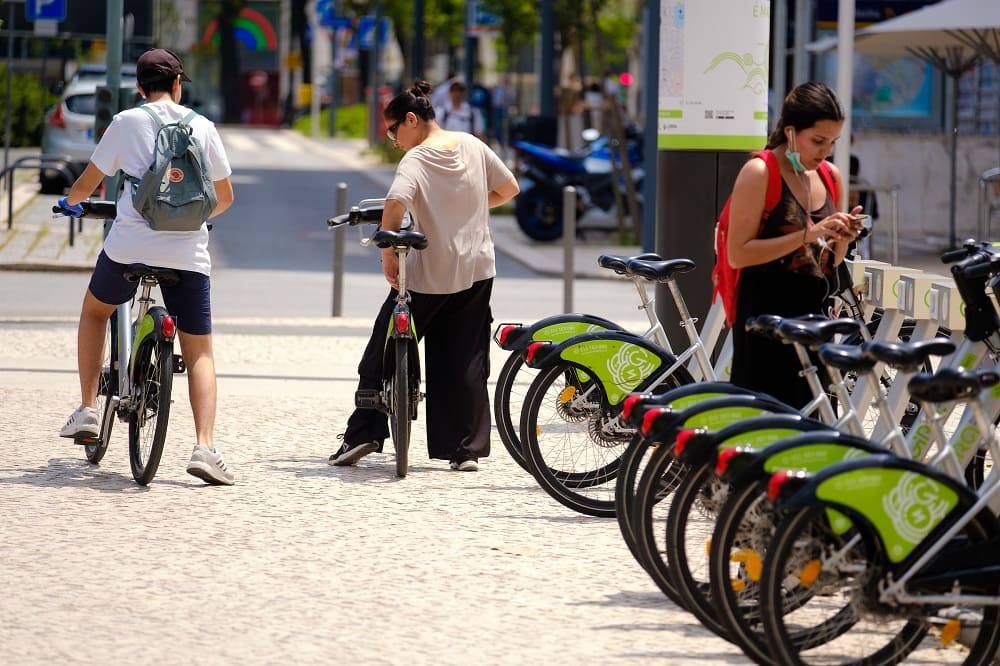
(229, 61)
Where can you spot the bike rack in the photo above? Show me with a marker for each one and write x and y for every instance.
(58, 163)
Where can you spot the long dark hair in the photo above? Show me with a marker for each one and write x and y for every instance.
(806, 105)
(415, 100)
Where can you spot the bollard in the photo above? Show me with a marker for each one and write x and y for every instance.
(569, 238)
(338, 253)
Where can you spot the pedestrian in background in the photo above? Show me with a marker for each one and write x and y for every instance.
(457, 115)
(128, 146)
(447, 181)
(788, 257)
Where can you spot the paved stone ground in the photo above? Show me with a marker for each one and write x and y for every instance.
(299, 562)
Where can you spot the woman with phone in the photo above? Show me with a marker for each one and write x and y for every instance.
(789, 256)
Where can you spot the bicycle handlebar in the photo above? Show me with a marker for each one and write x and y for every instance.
(367, 211)
(104, 210)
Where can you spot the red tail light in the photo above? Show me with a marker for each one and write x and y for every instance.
(168, 327)
(629, 404)
(649, 417)
(681, 441)
(402, 322)
(533, 349)
(504, 332)
(722, 462)
(56, 119)
(777, 480)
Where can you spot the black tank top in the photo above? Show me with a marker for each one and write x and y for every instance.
(789, 215)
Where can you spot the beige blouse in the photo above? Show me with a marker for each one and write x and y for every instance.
(446, 192)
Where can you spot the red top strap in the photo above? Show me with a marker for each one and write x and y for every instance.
(773, 195)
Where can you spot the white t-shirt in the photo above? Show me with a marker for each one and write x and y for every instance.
(127, 145)
(462, 119)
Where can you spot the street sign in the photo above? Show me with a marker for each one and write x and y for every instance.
(52, 10)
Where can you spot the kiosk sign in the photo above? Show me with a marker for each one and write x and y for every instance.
(713, 74)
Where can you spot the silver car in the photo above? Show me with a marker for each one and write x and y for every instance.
(69, 125)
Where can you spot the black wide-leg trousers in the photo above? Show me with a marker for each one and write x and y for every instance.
(455, 330)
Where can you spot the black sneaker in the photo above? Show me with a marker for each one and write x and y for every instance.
(349, 454)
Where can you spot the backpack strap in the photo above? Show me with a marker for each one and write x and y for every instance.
(773, 195)
(186, 120)
(826, 174)
(152, 114)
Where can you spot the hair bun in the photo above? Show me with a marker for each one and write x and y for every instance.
(421, 89)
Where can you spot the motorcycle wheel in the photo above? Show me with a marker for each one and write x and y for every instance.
(538, 215)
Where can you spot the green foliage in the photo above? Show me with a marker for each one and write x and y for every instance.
(29, 101)
(352, 123)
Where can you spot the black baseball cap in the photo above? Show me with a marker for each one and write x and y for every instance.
(159, 64)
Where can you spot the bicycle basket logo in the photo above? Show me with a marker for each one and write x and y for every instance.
(630, 365)
(915, 506)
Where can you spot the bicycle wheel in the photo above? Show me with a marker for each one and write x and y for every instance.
(95, 452)
(837, 617)
(634, 460)
(508, 400)
(152, 380)
(744, 527)
(572, 443)
(107, 386)
(653, 498)
(399, 420)
(696, 504)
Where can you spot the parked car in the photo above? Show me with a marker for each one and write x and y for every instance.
(69, 125)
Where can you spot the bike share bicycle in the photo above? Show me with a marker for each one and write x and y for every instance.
(400, 393)
(137, 375)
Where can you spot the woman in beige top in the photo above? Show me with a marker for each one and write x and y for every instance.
(448, 181)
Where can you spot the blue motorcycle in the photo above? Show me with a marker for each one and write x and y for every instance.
(544, 171)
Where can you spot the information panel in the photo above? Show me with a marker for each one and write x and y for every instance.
(713, 74)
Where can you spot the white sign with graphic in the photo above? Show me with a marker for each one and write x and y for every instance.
(713, 74)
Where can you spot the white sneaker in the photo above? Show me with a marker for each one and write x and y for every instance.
(207, 464)
(82, 423)
(464, 466)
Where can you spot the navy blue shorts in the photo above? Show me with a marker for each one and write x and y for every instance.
(189, 301)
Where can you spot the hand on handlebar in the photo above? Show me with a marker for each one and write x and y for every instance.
(76, 210)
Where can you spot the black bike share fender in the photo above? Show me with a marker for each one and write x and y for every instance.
(556, 328)
(714, 414)
(749, 435)
(900, 506)
(809, 451)
(619, 361)
(151, 325)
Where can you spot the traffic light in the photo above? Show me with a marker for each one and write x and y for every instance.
(105, 109)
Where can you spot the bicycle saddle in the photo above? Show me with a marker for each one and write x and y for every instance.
(659, 270)
(618, 262)
(951, 384)
(846, 358)
(413, 239)
(164, 276)
(814, 333)
(907, 355)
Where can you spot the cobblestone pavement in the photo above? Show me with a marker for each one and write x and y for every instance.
(299, 562)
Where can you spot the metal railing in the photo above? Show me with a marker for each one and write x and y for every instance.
(58, 163)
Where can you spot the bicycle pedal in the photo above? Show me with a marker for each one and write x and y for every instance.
(85, 440)
(367, 399)
(179, 366)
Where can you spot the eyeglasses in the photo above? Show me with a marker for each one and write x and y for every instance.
(391, 130)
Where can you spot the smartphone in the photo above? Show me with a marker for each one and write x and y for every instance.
(864, 219)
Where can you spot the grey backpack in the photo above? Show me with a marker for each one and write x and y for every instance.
(175, 194)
